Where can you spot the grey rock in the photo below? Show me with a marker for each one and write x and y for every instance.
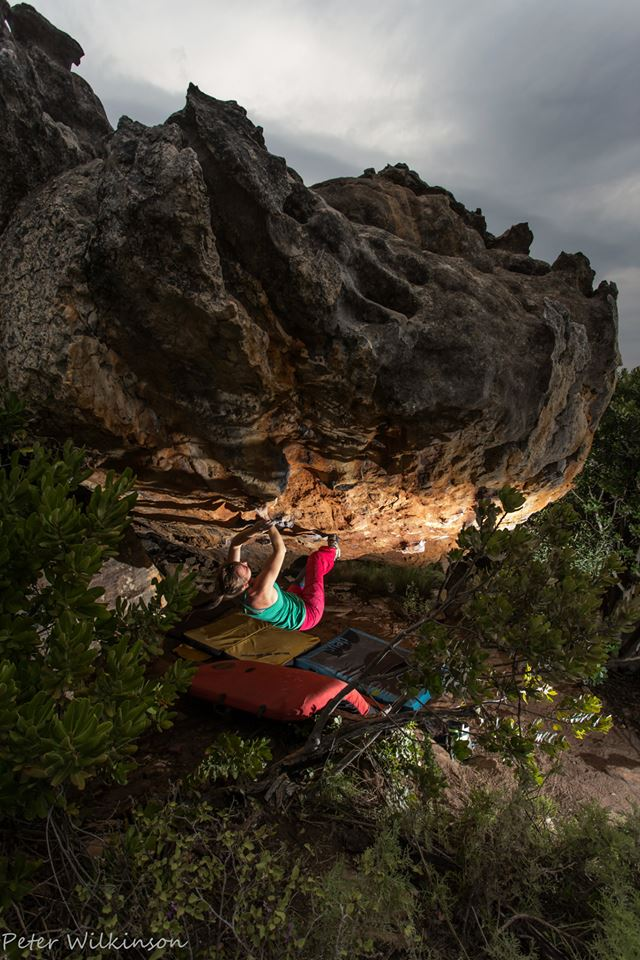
(364, 351)
(50, 118)
(517, 239)
(30, 28)
(577, 270)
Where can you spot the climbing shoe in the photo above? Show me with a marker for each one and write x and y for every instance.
(334, 541)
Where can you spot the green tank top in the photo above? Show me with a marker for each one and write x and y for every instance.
(288, 612)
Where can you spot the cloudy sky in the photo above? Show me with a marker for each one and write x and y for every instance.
(526, 108)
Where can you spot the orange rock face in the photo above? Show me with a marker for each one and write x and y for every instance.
(364, 355)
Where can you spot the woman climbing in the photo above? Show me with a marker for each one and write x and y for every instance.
(297, 608)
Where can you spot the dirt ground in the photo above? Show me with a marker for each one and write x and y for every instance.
(602, 768)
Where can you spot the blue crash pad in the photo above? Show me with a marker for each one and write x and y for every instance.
(347, 653)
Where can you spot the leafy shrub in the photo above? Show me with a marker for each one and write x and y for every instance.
(509, 628)
(509, 879)
(406, 762)
(74, 696)
(231, 757)
(222, 883)
(606, 501)
(337, 789)
(607, 495)
(15, 878)
(368, 910)
(504, 878)
(396, 772)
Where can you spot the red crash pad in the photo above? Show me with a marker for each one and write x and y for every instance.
(270, 690)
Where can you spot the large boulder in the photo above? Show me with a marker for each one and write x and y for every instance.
(363, 351)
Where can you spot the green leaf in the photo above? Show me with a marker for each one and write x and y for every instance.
(511, 499)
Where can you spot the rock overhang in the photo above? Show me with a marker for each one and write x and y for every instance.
(363, 351)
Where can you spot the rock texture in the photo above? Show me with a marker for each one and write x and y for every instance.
(50, 118)
(364, 351)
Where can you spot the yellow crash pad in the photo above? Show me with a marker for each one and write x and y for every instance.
(243, 637)
(190, 653)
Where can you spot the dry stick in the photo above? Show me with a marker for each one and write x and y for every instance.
(447, 919)
(55, 872)
(69, 857)
(230, 925)
(530, 919)
(222, 894)
(480, 928)
(356, 752)
(301, 757)
(186, 936)
(311, 752)
(18, 912)
(388, 718)
(622, 661)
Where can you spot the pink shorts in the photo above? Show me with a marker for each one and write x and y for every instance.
(318, 565)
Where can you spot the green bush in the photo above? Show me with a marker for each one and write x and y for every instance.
(511, 879)
(74, 695)
(224, 884)
(405, 760)
(605, 501)
(231, 757)
(367, 910)
(607, 495)
(510, 627)
(503, 878)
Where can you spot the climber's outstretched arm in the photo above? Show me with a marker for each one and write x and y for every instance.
(269, 574)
